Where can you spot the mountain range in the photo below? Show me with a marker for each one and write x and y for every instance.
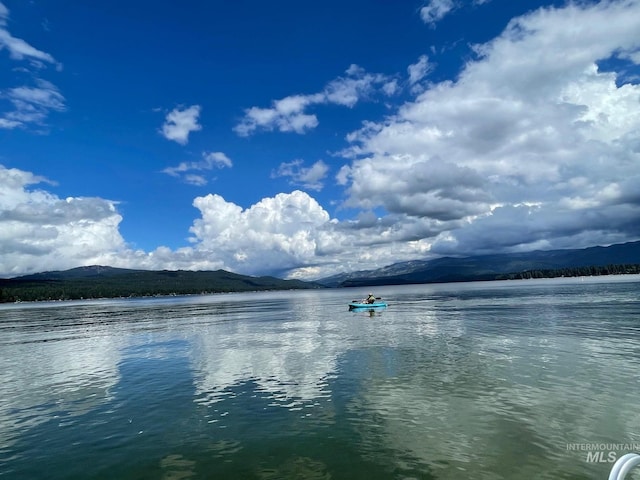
(488, 267)
(99, 281)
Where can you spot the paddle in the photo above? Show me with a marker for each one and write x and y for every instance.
(377, 298)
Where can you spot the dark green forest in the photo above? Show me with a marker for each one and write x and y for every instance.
(593, 271)
(113, 283)
(105, 282)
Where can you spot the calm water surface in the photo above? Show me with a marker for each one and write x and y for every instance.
(499, 380)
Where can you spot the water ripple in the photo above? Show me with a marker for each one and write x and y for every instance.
(482, 381)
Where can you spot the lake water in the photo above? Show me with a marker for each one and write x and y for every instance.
(496, 380)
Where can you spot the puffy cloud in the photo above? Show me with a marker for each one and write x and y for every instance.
(282, 116)
(289, 114)
(358, 84)
(60, 374)
(436, 10)
(275, 234)
(180, 123)
(309, 177)
(391, 87)
(424, 188)
(289, 234)
(525, 227)
(40, 231)
(533, 121)
(210, 160)
(417, 71)
(534, 145)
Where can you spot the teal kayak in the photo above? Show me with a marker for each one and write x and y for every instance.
(355, 305)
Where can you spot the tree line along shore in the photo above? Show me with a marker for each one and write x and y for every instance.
(165, 283)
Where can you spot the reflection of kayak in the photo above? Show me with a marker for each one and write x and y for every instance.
(355, 305)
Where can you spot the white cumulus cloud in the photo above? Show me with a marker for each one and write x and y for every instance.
(436, 10)
(275, 234)
(517, 151)
(179, 123)
(40, 231)
(309, 177)
(419, 70)
(290, 114)
(189, 171)
(289, 234)
(534, 144)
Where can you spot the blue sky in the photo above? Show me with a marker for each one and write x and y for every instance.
(304, 139)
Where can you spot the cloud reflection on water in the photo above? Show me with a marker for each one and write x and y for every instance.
(290, 352)
(52, 365)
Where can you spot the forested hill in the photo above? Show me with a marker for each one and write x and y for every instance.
(613, 259)
(107, 282)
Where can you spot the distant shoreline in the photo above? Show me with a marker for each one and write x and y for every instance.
(590, 271)
(105, 282)
(36, 291)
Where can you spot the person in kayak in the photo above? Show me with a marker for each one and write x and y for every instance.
(370, 299)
